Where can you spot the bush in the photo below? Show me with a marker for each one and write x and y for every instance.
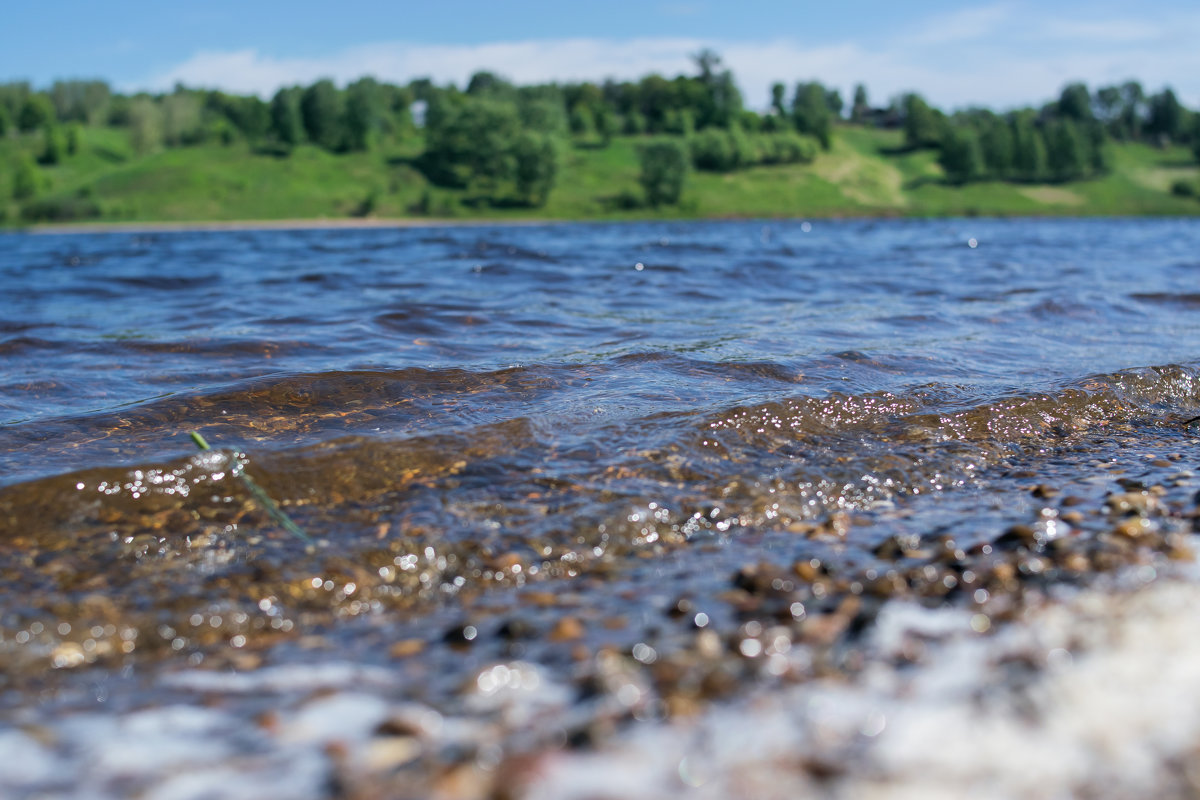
(536, 167)
(961, 156)
(35, 113)
(1184, 189)
(54, 146)
(712, 150)
(61, 209)
(634, 123)
(788, 148)
(25, 180)
(715, 150)
(664, 168)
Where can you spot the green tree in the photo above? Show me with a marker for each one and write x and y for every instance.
(810, 112)
(536, 159)
(25, 179)
(1167, 116)
(471, 142)
(583, 122)
(74, 139)
(834, 102)
(145, 122)
(711, 97)
(181, 118)
(778, 90)
(996, 143)
(247, 115)
(489, 84)
(861, 107)
(724, 102)
(541, 108)
(36, 112)
(364, 113)
(1075, 103)
(713, 150)
(321, 109)
(397, 108)
(1029, 147)
(12, 97)
(679, 122)
(922, 125)
(663, 171)
(287, 124)
(961, 156)
(1107, 103)
(606, 124)
(118, 111)
(80, 101)
(54, 146)
(1131, 118)
(1067, 154)
(5, 122)
(656, 96)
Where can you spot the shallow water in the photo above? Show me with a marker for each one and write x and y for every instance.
(512, 442)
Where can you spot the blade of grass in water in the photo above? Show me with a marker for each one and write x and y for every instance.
(270, 506)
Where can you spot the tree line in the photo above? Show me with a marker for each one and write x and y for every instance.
(503, 143)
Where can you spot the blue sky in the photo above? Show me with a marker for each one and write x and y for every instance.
(1001, 54)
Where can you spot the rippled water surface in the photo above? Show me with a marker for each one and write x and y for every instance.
(481, 426)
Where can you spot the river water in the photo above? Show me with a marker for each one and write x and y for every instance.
(564, 451)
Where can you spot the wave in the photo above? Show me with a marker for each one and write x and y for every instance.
(493, 438)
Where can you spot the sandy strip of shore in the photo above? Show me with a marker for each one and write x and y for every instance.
(333, 223)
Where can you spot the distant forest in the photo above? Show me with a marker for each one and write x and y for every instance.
(502, 143)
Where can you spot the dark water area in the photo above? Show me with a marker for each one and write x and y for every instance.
(113, 345)
(484, 426)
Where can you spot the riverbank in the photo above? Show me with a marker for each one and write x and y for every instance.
(320, 223)
(866, 173)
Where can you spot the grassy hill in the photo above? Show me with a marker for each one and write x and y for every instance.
(866, 173)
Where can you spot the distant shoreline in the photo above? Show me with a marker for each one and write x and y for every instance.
(373, 223)
(333, 223)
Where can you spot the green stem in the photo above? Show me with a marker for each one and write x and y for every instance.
(270, 506)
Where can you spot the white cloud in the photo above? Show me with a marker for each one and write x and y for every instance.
(1102, 32)
(960, 26)
(999, 56)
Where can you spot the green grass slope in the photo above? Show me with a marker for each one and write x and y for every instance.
(865, 173)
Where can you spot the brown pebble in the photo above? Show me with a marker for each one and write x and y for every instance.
(505, 562)
(390, 752)
(269, 721)
(1130, 503)
(567, 629)
(406, 648)
(544, 599)
(1019, 534)
(1043, 490)
(681, 607)
(1134, 528)
(1076, 562)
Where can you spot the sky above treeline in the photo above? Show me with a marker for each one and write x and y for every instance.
(996, 54)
